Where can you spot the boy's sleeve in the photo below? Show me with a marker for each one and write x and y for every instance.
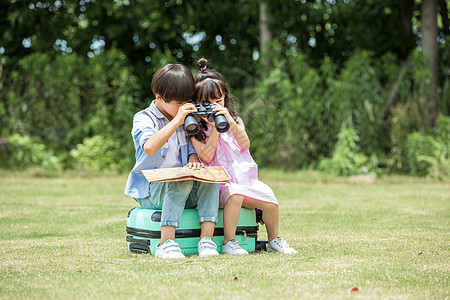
(191, 148)
(143, 128)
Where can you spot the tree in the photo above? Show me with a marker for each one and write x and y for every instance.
(430, 50)
(265, 36)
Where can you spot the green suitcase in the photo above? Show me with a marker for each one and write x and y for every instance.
(144, 231)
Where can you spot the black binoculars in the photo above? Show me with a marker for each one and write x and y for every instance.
(204, 110)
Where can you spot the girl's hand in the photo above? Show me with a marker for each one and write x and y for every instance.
(194, 165)
(222, 110)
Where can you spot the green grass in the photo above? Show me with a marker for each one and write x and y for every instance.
(63, 236)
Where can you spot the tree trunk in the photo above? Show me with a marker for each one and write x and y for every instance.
(406, 8)
(431, 52)
(406, 13)
(265, 37)
(444, 16)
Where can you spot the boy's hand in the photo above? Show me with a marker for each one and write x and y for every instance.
(194, 165)
(183, 111)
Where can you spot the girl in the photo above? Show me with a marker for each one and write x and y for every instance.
(230, 150)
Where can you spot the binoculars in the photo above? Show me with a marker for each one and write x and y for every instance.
(204, 110)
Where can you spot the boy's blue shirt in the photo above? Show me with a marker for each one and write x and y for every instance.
(146, 123)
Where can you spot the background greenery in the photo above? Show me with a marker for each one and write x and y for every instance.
(342, 86)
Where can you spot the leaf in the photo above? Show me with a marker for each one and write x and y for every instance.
(234, 277)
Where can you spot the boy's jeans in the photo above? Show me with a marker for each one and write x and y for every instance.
(174, 196)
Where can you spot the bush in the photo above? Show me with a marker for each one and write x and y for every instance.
(430, 156)
(347, 159)
(67, 98)
(292, 116)
(99, 153)
(22, 152)
(409, 114)
(296, 112)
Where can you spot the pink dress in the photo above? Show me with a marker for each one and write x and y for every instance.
(242, 169)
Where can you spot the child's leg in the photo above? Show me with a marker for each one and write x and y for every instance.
(231, 213)
(207, 229)
(206, 195)
(171, 198)
(270, 215)
(167, 233)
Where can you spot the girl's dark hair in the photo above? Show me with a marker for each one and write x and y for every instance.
(174, 82)
(210, 84)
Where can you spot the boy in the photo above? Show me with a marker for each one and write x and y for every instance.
(160, 142)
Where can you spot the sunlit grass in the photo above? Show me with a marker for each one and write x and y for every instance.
(63, 236)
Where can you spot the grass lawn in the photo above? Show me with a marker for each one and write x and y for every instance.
(64, 237)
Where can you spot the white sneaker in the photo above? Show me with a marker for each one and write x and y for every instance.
(232, 247)
(206, 247)
(281, 246)
(170, 249)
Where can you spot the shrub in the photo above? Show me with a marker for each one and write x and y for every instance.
(100, 153)
(296, 112)
(347, 159)
(430, 156)
(22, 151)
(68, 98)
(409, 114)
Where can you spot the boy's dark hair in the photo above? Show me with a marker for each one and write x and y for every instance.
(210, 84)
(174, 82)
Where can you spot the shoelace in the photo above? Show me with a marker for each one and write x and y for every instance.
(172, 248)
(280, 242)
(234, 245)
(208, 244)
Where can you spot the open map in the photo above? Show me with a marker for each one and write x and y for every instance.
(206, 174)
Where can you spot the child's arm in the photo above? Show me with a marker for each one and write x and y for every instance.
(238, 129)
(236, 126)
(157, 140)
(206, 150)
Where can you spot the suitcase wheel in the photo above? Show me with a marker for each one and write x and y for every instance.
(139, 248)
(261, 245)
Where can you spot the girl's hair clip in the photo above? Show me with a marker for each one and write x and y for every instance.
(202, 69)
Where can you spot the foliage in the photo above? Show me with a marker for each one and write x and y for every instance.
(309, 106)
(69, 98)
(410, 113)
(142, 30)
(338, 28)
(99, 153)
(187, 30)
(22, 152)
(47, 96)
(428, 155)
(71, 70)
(347, 159)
